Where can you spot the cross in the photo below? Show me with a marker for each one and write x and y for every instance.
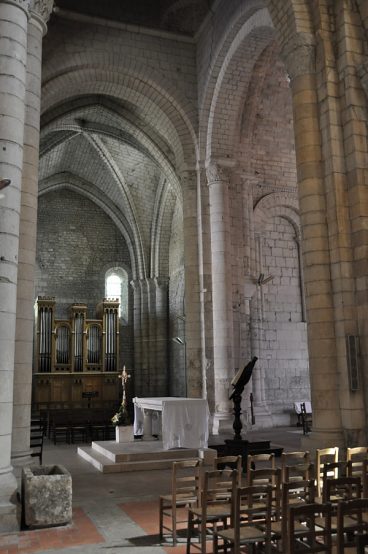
(124, 379)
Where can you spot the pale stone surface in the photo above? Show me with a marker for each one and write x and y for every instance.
(124, 433)
(47, 495)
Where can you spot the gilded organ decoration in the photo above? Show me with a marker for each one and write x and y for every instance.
(78, 344)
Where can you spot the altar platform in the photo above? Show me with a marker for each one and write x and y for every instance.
(139, 455)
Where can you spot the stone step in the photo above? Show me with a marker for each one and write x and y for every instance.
(139, 451)
(156, 458)
(105, 465)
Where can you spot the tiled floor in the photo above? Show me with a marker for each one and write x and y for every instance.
(81, 531)
(115, 513)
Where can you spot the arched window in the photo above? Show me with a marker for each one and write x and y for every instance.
(116, 286)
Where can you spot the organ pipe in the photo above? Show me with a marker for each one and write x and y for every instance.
(78, 344)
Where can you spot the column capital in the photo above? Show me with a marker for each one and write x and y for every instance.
(218, 171)
(299, 55)
(136, 284)
(22, 4)
(41, 10)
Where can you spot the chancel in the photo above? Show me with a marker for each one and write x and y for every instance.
(183, 189)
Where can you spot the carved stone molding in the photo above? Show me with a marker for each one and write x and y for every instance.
(41, 10)
(299, 55)
(217, 173)
(23, 4)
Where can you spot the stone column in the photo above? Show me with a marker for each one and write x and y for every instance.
(13, 58)
(22, 393)
(162, 337)
(218, 182)
(137, 337)
(195, 364)
(327, 428)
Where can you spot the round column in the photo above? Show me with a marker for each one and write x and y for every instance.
(218, 182)
(162, 337)
(193, 297)
(327, 426)
(138, 384)
(22, 393)
(13, 58)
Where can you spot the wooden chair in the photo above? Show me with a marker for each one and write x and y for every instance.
(341, 488)
(294, 493)
(337, 490)
(333, 471)
(351, 521)
(356, 456)
(216, 505)
(185, 491)
(232, 462)
(251, 523)
(36, 438)
(306, 418)
(271, 477)
(309, 537)
(296, 466)
(323, 456)
(361, 542)
(260, 461)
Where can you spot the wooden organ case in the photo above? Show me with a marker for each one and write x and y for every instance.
(76, 359)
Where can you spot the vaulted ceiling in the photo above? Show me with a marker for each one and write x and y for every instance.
(181, 16)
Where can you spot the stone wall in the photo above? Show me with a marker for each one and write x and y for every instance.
(76, 244)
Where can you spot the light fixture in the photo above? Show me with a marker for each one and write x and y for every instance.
(4, 183)
(178, 340)
(262, 280)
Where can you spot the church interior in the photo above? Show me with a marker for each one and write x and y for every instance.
(217, 153)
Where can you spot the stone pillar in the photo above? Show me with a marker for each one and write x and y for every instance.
(138, 385)
(13, 58)
(162, 337)
(195, 363)
(327, 429)
(219, 182)
(146, 377)
(22, 394)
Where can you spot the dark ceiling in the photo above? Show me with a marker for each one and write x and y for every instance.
(181, 16)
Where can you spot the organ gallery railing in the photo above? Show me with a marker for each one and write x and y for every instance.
(77, 344)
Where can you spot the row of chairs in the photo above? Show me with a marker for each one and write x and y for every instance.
(292, 484)
(81, 425)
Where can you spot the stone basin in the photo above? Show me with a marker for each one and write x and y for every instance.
(46, 495)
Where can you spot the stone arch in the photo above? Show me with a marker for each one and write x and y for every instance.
(76, 184)
(160, 208)
(290, 17)
(162, 105)
(127, 122)
(227, 100)
(277, 204)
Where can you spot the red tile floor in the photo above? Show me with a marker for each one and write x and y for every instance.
(81, 531)
(145, 514)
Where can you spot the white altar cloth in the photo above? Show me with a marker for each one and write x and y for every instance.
(184, 420)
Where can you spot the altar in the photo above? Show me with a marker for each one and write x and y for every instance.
(182, 422)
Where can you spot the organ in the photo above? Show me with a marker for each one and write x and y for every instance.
(78, 356)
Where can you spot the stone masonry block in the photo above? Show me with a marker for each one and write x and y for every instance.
(47, 495)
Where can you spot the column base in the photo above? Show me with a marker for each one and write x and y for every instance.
(20, 460)
(262, 416)
(222, 422)
(322, 439)
(10, 509)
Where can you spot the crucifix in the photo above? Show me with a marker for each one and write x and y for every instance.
(124, 379)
